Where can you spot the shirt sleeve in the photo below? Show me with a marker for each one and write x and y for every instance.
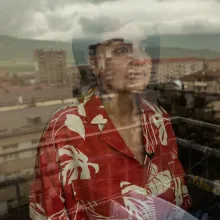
(182, 197)
(166, 180)
(48, 199)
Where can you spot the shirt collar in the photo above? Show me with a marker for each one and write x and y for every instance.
(95, 111)
(94, 107)
(96, 114)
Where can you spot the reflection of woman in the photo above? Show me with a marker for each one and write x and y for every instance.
(112, 150)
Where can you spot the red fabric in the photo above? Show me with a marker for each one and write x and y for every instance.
(87, 171)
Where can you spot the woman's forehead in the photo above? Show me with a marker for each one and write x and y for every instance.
(130, 32)
(115, 42)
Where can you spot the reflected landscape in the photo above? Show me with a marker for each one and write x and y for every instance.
(110, 111)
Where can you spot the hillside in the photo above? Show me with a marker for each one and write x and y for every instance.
(17, 54)
(192, 41)
(22, 50)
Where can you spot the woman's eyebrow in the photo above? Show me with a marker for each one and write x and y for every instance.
(121, 44)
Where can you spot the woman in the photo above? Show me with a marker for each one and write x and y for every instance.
(114, 155)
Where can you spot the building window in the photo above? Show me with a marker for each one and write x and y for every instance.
(198, 89)
(11, 156)
(36, 141)
(28, 172)
(14, 146)
(12, 204)
(192, 68)
(6, 147)
(9, 147)
(12, 175)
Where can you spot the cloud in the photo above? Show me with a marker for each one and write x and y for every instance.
(17, 16)
(201, 26)
(98, 24)
(13, 15)
(57, 23)
(63, 19)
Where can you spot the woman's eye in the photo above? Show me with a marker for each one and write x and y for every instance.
(121, 50)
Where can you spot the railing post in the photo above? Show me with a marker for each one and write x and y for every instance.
(18, 193)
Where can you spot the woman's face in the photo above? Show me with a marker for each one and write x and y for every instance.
(123, 66)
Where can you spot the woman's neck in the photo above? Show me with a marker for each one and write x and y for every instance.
(121, 105)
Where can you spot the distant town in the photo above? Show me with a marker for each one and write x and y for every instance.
(29, 98)
(54, 79)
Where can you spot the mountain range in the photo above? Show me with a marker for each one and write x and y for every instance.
(20, 52)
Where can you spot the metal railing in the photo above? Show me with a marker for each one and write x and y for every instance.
(181, 142)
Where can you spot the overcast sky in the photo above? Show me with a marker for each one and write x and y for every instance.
(63, 19)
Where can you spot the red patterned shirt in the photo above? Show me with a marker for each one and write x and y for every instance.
(86, 171)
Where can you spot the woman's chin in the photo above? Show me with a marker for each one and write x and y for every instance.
(135, 88)
(129, 88)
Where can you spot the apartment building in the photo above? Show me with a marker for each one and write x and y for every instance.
(203, 81)
(50, 66)
(73, 76)
(165, 70)
(20, 131)
(4, 72)
(212, 63)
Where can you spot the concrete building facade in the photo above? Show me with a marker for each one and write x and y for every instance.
(165, 70)
(50, 66)
(73, 76)
(20, 132)
(203, 81)
(212, 63)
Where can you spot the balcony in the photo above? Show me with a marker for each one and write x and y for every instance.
(199, 152)
(199, 157)
(200, 84)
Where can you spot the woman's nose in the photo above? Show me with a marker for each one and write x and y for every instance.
(139, 58)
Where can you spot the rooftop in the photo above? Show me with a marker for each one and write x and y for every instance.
(208, 75)
(180, 59)
(9, 95)
(164, 60)
(25, 120)
(33, 119)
